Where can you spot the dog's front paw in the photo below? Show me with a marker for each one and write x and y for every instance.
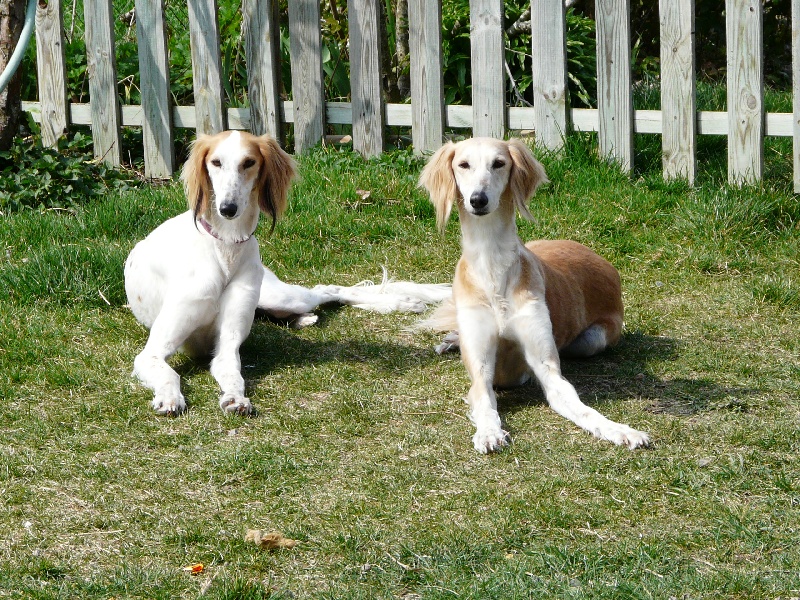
(489, 440)
(170, 405)
(233, 404)
(622, 435)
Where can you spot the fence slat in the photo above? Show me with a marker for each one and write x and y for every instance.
(260, 24)
(614, 94)
(678, 94)
(206, 66)
(51, 71)
(487, 67)
(427, 85)
(157, 133)
(745, 91)
(365, 76)
(307, 85)
(549, 41)
(796, 92)
(101, 66)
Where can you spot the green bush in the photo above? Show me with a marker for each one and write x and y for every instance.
(32, 176)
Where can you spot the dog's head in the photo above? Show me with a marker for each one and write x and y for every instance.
(228, 171)
(481, 174)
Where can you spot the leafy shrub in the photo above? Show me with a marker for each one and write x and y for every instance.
(32, 176)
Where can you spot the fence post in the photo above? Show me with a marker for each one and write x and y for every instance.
(488, 68)
(51, 71)
(796, 91)
(206, 66)
(678, 94)
(614, 94)
(262, 40)
(365, 76)
(549, 40)
(427, 86)
(745, 91)
(101, 66)
(307, 83)
(157, 132)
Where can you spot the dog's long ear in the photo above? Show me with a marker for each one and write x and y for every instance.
(438, 178)
(196, 182)
(277, 171)
(527, 174)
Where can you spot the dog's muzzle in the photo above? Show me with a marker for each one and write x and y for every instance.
(479, 201)
(228, 210)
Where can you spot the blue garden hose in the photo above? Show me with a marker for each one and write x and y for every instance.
(19, 51)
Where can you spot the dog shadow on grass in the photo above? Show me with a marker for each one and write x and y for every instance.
(273, 345)
(623, 372)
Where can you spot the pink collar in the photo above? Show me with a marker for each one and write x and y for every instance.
(207, 226)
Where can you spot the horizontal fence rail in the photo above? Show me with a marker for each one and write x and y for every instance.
(616, 121)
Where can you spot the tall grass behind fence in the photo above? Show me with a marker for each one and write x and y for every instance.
(247, 39)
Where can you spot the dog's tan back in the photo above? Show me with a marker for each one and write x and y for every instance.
(581, 289)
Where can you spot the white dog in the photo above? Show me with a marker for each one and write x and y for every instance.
(197, 279)
(515, 306)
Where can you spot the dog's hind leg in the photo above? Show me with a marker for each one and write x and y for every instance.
(591, 341)
(594, 339)
(282, 300)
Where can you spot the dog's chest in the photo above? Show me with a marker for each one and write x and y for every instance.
(230, 258)
(492, 275)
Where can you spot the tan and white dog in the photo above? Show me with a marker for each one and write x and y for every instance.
(197, 279)
(516, 306)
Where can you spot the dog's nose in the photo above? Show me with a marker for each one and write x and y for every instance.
(228, 210)
(478, 200)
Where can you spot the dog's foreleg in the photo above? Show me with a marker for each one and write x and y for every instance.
(542, 357)
(478, 336)
(171, 328)
(234, 323)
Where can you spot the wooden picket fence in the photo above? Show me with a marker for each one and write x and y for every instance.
(615, 120)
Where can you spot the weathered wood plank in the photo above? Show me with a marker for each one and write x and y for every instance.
(796, 92)
(427, 85)
(157, 132)
(614, 94)
(488, 68)
(206, 66)
(308, 92)
(51, 71)
(678, 94)
(262, 39)
(745, 91)
(365, 76)
(458, 117)
(549, 41)
(101, 66)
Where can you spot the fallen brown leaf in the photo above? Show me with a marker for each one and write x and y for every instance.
(269, 541)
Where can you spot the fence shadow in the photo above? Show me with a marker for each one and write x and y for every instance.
(623, 372)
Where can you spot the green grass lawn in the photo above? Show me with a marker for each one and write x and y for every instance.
(361, 448)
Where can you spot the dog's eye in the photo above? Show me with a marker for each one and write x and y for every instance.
(463, 165)
(216, 162)
(498, 164)
(248, 163)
